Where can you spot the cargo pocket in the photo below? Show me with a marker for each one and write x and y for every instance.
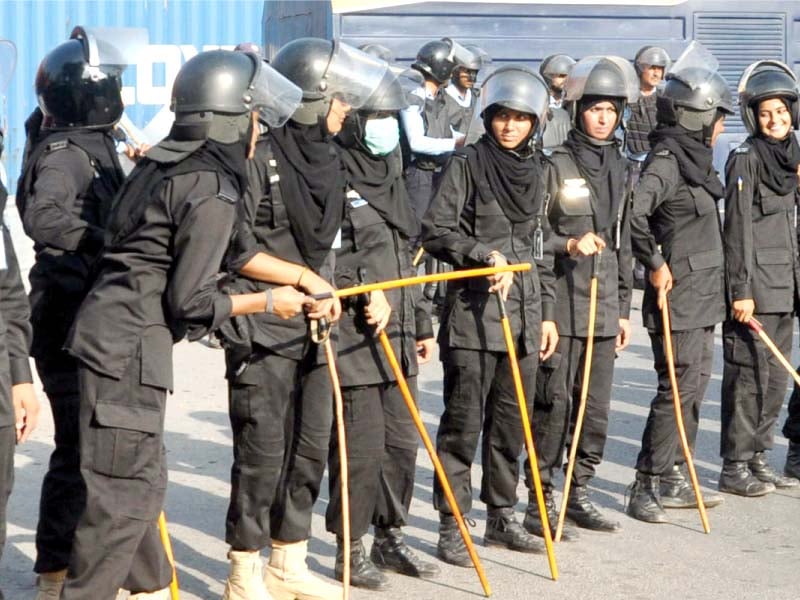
(369, 228)
(127, 442)
(775, 267)
(706, 273)
(739, 351)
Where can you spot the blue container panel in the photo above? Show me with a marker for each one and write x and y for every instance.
(178, 30)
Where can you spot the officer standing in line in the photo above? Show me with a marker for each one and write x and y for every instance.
(460, 96)
(555, 69)
(588, 215)
(651, 63)
(69, 177)
(489, 209)
(279, 388)
(427, 128)
(763, 275)
(19, 407)
(156, 283)
(381, 438)
(675, 233)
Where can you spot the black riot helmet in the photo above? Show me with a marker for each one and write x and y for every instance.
(555, 65)
(378, 51)
(610, 77)
(651, 56)
(215, 92)
(435, 59)
(325, 69)
(764, 80)
(518, 88)
(79, 82)
(694, 98)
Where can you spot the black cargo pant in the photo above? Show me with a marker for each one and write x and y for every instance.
(479, 398)
(8, 440)
(791, 428)
(381, 458)
(555, 408)
(694, 355)
(123, 463)
(281, 412)
(63, 494)
(753, 386)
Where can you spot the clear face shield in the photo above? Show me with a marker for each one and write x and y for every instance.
(695, 66)
(272, 95)
(111, 46)
(352, 76)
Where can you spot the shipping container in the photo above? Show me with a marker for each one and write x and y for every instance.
(178, 29)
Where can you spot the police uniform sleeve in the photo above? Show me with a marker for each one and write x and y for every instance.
(545, 267)
(555, 243)
(655, 186)
(203, 226)
(624, 261)
(51, 218)
(15, 312)
(244, 244)
(442, 235)
(738, 229)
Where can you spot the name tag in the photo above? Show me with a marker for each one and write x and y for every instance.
(574, 189)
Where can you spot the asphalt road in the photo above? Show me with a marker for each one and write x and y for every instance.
(752, 552)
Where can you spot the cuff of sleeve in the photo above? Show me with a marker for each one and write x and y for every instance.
(548, 311)
(223, 307)
(238, 263)
(424, 327)
(655, 262)
(741, 291)
(479, 253)
(559, 243)
(21, 371)
(625, 310)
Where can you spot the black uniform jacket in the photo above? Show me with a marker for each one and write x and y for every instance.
(372, 250)
(463, 225)
(677, 223)
(760, 237)
(154, 284)
(15, 328)
(572, 214)
(63, 211)
(263, 226)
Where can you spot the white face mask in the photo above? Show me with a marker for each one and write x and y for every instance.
(381, 136)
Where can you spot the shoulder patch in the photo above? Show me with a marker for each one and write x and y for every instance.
(743, 149)
(226, 191)
(59, 145)
(663, 152)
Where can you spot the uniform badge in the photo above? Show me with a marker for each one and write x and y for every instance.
(575, 189)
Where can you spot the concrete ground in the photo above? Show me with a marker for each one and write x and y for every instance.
(753, 550)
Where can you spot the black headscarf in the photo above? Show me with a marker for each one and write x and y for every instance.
(141, 187)
(379, 180)
(779, 160)
(514, 178)
(695, 158)
(313, 181)
(602, 165)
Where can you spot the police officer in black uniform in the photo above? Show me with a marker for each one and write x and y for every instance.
(279, 388)
(489, 208)
(763, 275)
(69, 176)
(381, 438)
(675, 233)
(589, 216)
(156, 283)
(19, 407)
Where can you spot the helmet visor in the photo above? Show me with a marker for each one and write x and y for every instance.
(696, 58)
(111, 46)
(352, 75)
(272, 95)
(765, 65)
(8, 60)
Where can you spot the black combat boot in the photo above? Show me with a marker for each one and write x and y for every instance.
(583, 513)
(736, 478)
(645, 502)
(533, 522)
(759, 467)
(451, 547)
(677, 491)
(390, 551)
(792, 466)
(503, 529)
(363, 573)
